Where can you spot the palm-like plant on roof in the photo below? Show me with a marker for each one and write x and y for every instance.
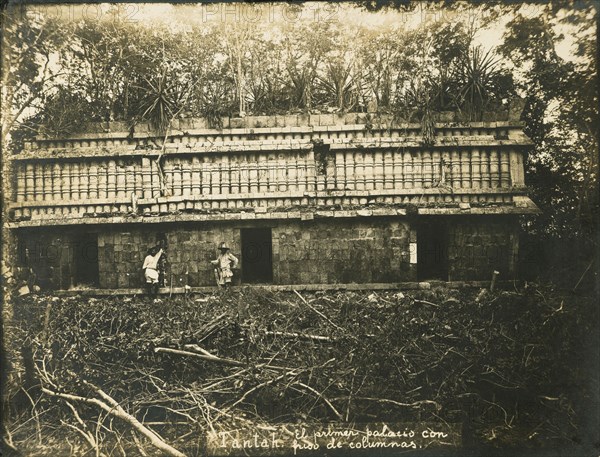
(300, 87)
(338, 86)
(476, 71)
(417, 100)
(164, 96)
(216, 97)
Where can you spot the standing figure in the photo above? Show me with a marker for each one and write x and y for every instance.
(224, 263)
(150, 268)
(162, 267)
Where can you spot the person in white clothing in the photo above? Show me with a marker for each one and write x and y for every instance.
(224, 263)
(150, 268)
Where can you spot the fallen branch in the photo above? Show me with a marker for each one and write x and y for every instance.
(255, 388)
(195, 347)
(210, 358)
(35, 412)
(83, 431)
(304, 336)
(583, 275)
(425, 302)
(214, 325)
(397, 403)
(112, 407)
(320, 395)
(350, 396)
(204, 354)
(318, 312)
(267, 428)
(8, 441)
(138, 444)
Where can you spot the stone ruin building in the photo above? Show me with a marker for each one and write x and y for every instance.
(301, 199)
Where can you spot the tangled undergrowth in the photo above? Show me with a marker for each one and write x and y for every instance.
(514, 368)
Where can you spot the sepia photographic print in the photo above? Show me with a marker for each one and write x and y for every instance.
(300, 229)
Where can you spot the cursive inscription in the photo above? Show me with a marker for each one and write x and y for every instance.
(318, 440)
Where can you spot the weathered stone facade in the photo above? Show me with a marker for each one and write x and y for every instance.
(343, 199)
(344, 251)
(315, 252)
(479, 246)
(321, 251)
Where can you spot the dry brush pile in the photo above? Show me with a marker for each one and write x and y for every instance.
(131, 376)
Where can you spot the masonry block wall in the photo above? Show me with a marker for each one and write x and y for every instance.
(478, 246)
(317, 252)
(49, 255)
(310, 252)
(350, 251)
(189, 251)
(302, 252)
(120, 257)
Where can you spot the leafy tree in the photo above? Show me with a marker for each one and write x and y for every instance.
(449, 44)
(306, 47)
(239, 38)
(378, 58)
(62, 113)
(30, 43)
(206, 67)
(561, 118)
(266, 84)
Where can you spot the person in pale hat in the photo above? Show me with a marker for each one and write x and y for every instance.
(150, 268)
(224, 264)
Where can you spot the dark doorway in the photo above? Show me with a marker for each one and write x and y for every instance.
(432, 249)
(86, 260)
(257, 263)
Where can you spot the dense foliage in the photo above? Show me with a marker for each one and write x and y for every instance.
(106, 69)
(561, 115)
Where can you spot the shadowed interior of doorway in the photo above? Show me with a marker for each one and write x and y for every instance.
(257, 263)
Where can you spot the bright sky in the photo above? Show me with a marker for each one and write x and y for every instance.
(185, 15)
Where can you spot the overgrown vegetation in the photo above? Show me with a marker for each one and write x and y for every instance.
(512, 367)
(65, 72)
(133, 71)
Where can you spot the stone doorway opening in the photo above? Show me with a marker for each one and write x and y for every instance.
(257, 255)
(432, 249)
(86, 260)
